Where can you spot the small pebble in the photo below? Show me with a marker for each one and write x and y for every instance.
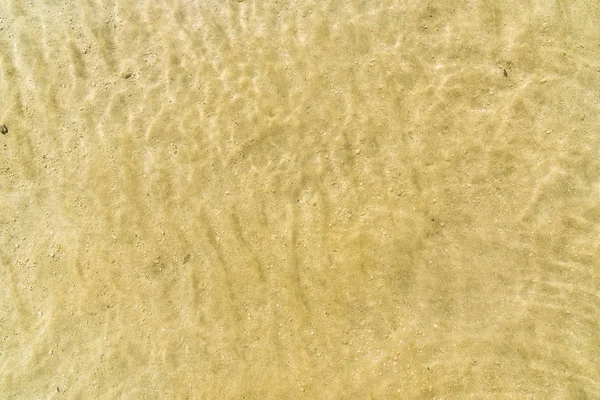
(3, 129)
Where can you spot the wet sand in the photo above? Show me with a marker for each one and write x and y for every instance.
(299, 200)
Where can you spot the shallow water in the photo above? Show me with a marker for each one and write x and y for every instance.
(317, 200)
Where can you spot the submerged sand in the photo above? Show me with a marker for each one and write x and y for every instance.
(299, 200)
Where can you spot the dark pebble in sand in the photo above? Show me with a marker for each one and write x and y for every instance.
(186, 258)
(3, 129)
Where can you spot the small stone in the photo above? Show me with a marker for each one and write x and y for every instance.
(3, 129)
(186, 258)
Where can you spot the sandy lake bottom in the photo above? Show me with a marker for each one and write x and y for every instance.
(299, 200)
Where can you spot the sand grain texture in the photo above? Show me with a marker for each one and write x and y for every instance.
(299, 200)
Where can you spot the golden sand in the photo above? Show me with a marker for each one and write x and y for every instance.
(299, 199)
